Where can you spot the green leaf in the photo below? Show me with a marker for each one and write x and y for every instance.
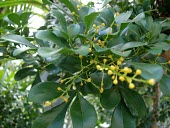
(73, 30)
(60, 17)
(53, 118)
(83, 50)
(121, 53)
(44, 91)
(85, 11)
(18, 39)
(18, 51)
(23, 73)
(48, 52)
(82, 113)
(122, 118)
(69, 5)
(123, 17)
(25, 17)
(99, 49)
(89, 19)
(46, 35)
(110, 98)
(134, 102)
(132, 45)
(97, 79)
(149, 70)
(15, 18)
(165, 85)
(106, 2)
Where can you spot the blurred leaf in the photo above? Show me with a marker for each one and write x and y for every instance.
(83, 50)
(23, 73)
(149, 70)
(132, 45)
(69, 5)
(47, 51)
(18, 51)
(46, 35)
(165, 85)
(73, 30)
(89, 19)
(44, 91)
(53, 118)
(60, 17)
(18, 39)
(110, 98)
(15, 18)
(81, 118)
(134, 102)
(122, 118)
(122, 17)
(106, 2)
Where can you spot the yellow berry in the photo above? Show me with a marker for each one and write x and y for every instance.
(169, 62)
(110, 56)
(98, 27)
(61, 81)
(117, 13)
(81, 84)
(121, 59)
(115, 81)
(102, 84)
(101, 90)
(113, 77)
(103, 24)
(90, 49)
(129, 70)
(131, 86)
(119, 62)
(73, 13)
(104, 60)
(151, 81)
(94, 25)
(80, 56)
(59, 89)
(98, 67)
(89, 80)
(109, 72)
(121, 78)
(125, 69)
(91, 61)
(138, 72)
(112, 67)
(47, 103)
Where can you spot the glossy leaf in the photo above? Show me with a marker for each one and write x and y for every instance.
(53, 118)
(20, 50)
(123, 17)
(97, 79)
(23, 73)
(73, 30)
(82, 113)
(122, 118)
(15, 18)
(110, 98)
(149, 70)
(68, 4)
(85, 11)
(89, 19)
(132, 45)
(134, 102)
(106, 2)
(165, 85)
(60, 17)
(46, 35)
(44, 91)
(18, 39)
(83, 50)
(48, 52)
(121, 53)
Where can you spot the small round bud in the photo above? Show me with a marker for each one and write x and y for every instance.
(47, 103)
(113, 77)
(119, 62)
(138, 72)
(80, 56)
(81, 84)
(121, 59)
(131, 86)
(121, 78)
(61, 81)
(129, 80)
(73, 13)
(89, 80)
(117, 13)
(112, 67)
(66, 99)
(110, 56)
(103, 24)
(102, 84)
(104, 60)
(59, 89)
(115, 81)
(94, 25)
(109, 72)
(91, 61)
(129, 70)
(125, 69)
(151, 81)
(101, 90)
(90, 49)
(98, 27)
(98, 67)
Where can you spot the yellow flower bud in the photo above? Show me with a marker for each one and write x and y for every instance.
(104, 60)
(109, 72)
(115, 81)
(91, 61)
(47, 103)
(80, 56)
(117, 13)
(101, 90)
(121, 78)
(151, 81)
(98, 67)
(89, 80)
(103, 24)
(59, 89)
(138, 72)
(90, 49)
(110, 56)
(73, 13)
(113, 77)
(112, 67)
(94, 25)
(119, 62)
(131, 86)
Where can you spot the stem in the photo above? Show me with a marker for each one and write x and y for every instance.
(156, 100)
